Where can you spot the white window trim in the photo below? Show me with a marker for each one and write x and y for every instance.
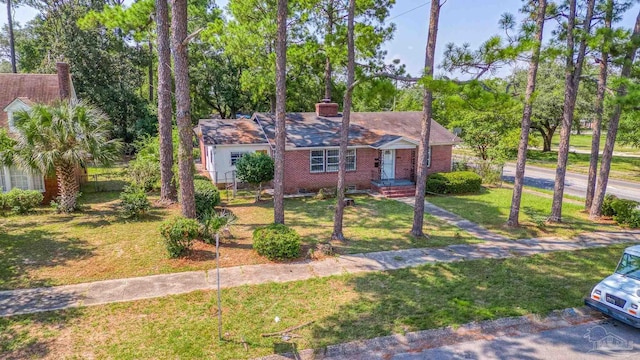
(32, 183)
(325, 162)
(429, 158)
(239, 155)
(311, 164)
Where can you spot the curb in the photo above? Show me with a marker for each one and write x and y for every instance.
(387, 346)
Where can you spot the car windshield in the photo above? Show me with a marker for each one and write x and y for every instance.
(629, 266)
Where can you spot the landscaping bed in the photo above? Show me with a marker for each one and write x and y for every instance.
(342, 308)
(491, 208)
(46, 249)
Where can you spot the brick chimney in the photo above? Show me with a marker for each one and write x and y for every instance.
(326, 108)
(64, 80)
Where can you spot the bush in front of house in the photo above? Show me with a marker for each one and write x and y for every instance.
(179, 234)
(458, 182)
(255, 168)
(23, 201)
(133, 202)
(5, 205)
(144, 173)
(276, 242)
(626, 212)
(207, 197)
(607, 209)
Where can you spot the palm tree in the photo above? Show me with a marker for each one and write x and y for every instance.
(60, 138)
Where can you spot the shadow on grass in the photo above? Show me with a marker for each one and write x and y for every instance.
(19, 341)
(435, 296)
(24, 251)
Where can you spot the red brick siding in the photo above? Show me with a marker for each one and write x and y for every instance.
(440, 159)
(50, 189)
(297, 174)
(403, 163)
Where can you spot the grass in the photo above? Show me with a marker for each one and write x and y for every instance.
(47, 249)
(491, 208)
(343, 308)
(371, 225)
(583, 142)
(624, 168)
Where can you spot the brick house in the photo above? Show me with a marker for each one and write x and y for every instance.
(21, 92)
(381, 155)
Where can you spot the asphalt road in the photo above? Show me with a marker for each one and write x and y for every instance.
(596, 340)
(575, 184)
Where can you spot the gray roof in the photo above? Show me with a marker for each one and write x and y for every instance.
(366, 128)
(230, 132)
(309, 130)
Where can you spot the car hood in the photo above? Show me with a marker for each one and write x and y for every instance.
(622, 283)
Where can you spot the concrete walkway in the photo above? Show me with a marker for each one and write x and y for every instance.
(455, 220)
(26, 301)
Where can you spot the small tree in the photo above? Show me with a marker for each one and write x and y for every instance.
(255, 168)
(59, 139)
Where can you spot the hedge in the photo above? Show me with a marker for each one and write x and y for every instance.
(207, 197)
(276, 242)
(457, 182)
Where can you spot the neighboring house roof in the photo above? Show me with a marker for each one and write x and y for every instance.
(230, 132)
(29, 88)
(373, 129)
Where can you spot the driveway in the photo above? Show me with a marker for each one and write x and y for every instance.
(595, 340)
(575, 184)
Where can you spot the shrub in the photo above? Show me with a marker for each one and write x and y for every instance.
(458, 182)
(23, 201)
(255, 169)
(607, 210)
(178, 234)
(626, 212)
(144, 173)
(276, 242)
(207, 197)
(215, 223)
(133, 202)
(5, 204)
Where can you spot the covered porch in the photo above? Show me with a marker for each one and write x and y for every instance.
(396, 167)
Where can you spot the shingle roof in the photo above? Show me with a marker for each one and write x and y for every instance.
(366, 128)
(36, 88)
(231, 132)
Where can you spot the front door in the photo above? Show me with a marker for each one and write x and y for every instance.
(388, 165)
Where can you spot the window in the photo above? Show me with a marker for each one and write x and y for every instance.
(429, 158)
(38, 182)
(351, 160)
(19, 179)
(328, 160)
(333, 158)
(3, 187)
(317, 161)
(235, 156)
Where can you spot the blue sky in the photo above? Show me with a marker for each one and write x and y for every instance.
(461, 21)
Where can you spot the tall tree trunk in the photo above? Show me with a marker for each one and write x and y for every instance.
(423, 151)
(183, 107)
(68, 187)
(327, 65)
(167, 189)
(12, 45)
(526, 118)
(344, 130)
(572, 81)
(281, 101)
(150, 71)
(599, 107)
(612, 131)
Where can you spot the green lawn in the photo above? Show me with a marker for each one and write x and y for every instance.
(624, 168)
(583, 142)
(45, 249)
(343, 308)
(491, 208)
